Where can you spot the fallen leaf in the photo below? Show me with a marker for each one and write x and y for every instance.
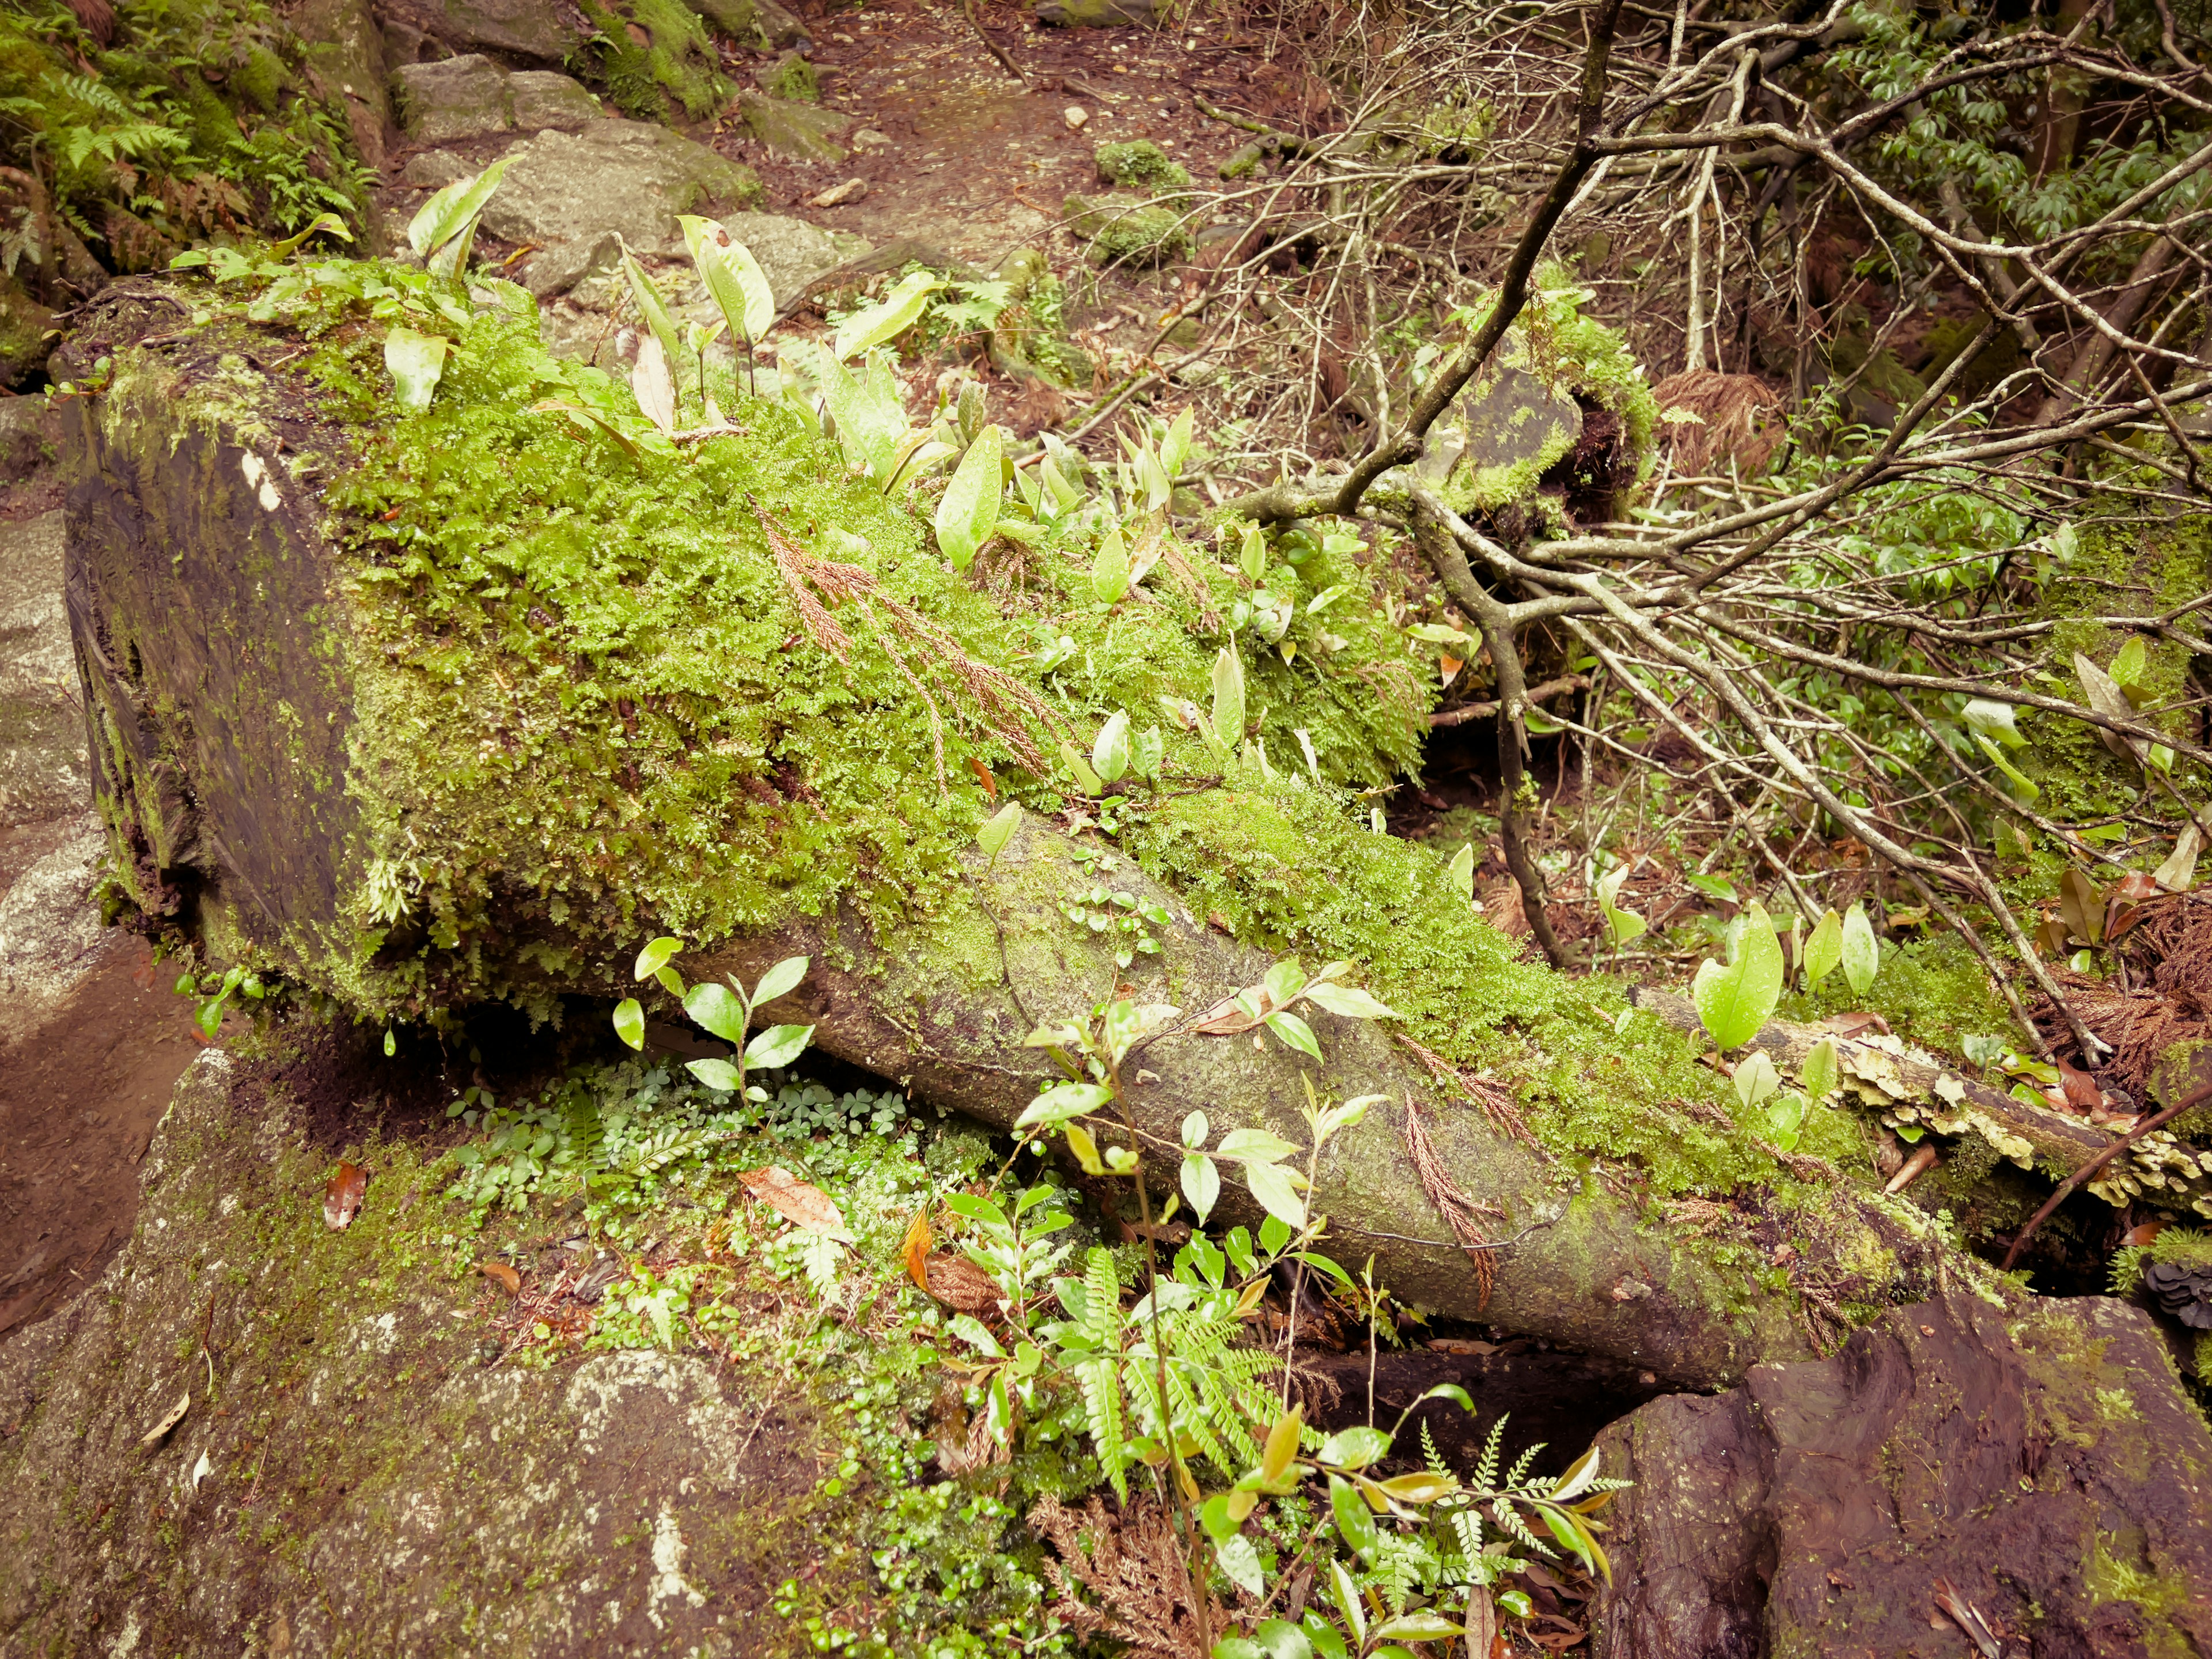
(960, 1285)
(1461, 1345)
(201, 1470)
(1852, 1024)
(804, 1205)
(2082, 1093)
(1449, 667)
(170, 1418)
(983, 776)
(1968, 1618)
(915, 1250)
(2145, 1233)
(1914, 1166)
(342, 1195)
(502, 1275)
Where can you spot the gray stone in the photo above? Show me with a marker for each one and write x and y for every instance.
(461, 97)
(555, 271)
(30, 435)
(797, 132)
(543, 99)
(344, 47)
(867, 139)
(1097, 13)
(778, 27)
(536, 30)
(42, 734)
(737, 19)
(627, 177)
(434, 169)
(25, 326)
(792, 253)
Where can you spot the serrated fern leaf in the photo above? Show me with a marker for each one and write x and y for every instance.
(1101, 1381)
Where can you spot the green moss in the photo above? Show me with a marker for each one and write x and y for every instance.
(1931, 989)
(793, 77)
(1124, 232)
(1140, 164)
(673, 68)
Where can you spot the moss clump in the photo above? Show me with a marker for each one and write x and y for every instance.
(791, 76)
(1124, 231)
(674, 69)
(1140, 164)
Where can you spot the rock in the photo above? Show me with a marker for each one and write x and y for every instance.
(29, 430)
(629, 177)
(536, 30)
(1508, 428)
(1076, 116)
(42, 736)
(469, 97)
(791, 77)
(434, 169)
(657, 59)
(1098, 14)
(25, 330)
(555, 271)
(792, 253)
(344, 47)
(867, 140)
(853, 189)
(1138, 164)
(1124, 229)
(2045, 1461)
(797, 132)
(778, 27)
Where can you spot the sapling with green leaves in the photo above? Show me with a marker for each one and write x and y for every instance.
(726, 1011)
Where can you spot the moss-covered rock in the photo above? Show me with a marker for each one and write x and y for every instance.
(27, 330)
(1127, 230)
(1140, 164)
(656, 58)
(789, 76)
(797, 132)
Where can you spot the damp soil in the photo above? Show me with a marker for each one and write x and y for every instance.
(79, 1099)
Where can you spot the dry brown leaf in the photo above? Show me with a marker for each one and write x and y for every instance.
(2082, 1093)
(342, 1195)
(1852, 1024)
(915, 1250)
(960, 1285)
(502, 1275)
(170, 1418)
(804, 1205)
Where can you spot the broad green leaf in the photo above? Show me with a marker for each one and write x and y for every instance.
(716, 1074)
(1252, 554)
(1061, 1101)
(1756, 1079)
(655, 390)
(1079, 768)
(629, 1022)
(1817, 1071)
(1085, 1149)
(1229, 698)
(1824, 949)
(1576, 1481)
(442, 231)
(998, 829)
(654, 309)
(970, 510)
(1989, 719)
(2129, 663)
(1861, 954)
(779, 980)
(1145, 754)
(1355, 1521)
(1109, 571)
(778, 1046)
(887, 320)
(1349, 1001)
(1459, 874)
(417, 361)
(1109, 754)
(1734, 1002)
(1271, 1184)
(1344, 1590)
(656, 954)
(1284, 980)
(1259, 1146)
(1784, 1117)
(1295, 1033)
(1195, 1129)
(716, 1008)
(2022, 786)
(1418, 1626)
(1201, 1184)
(1240, 1564)
(733, 277)
(1353, 1448)
(1174, 447)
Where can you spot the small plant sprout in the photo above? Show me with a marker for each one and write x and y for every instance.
(1824, 949)
(998, 829)
(969, 514)
(211, 993)
(1734, 1001)
(1287, 984)
(1459, 874)
(1620, 926)
(726, 1012)
(1860, 953)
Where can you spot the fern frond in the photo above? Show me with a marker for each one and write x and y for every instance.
(1520, 1475)
(1101, 1381)
(1486, 1476)
(1101, 1299)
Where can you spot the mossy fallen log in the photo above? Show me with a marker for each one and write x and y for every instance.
(415, 711)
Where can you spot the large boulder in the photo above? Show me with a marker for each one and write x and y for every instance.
(25, 334)
(533, 31)
(791, 251)
(630, 178)
(472, 97)
(797, 132)
(42, 762)
(345, 48)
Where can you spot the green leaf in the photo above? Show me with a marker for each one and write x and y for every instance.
(1783, 1120)
(1344, 1590)
(1459, 874)
(1079, 768)
(733, 277)
(417, 361)
(1355, 1521)
(1294, 1033)
(1354, 1448)
(1241, 1563)
(1145, 754)
(1085, 1149)
(1229, 698)
(1284, 980)
(892, 316)
(716, 1008)
(1195, 1129)
(1275, 1638)
(781, 979)
(1109, 571)
(970, 511)
(1061, 1101)
(207, 1030)
(1255, 1145)
(1756, 1079)
(1862, 954)
(1201, 1184)
(1252, 554)
(654, 309)
(1734, 1002)
(1109, 754)
(2022, 786)
(1348, 1001)
(2128, 665)
(778, 1046)
(998, 829)
(1819, 1072)
(716, 1074)
(1988, 719)
(443, 229)
(655, 955)
(1824, 949)
(1271, 1184)
(1418, 1626)
(629, 1022)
